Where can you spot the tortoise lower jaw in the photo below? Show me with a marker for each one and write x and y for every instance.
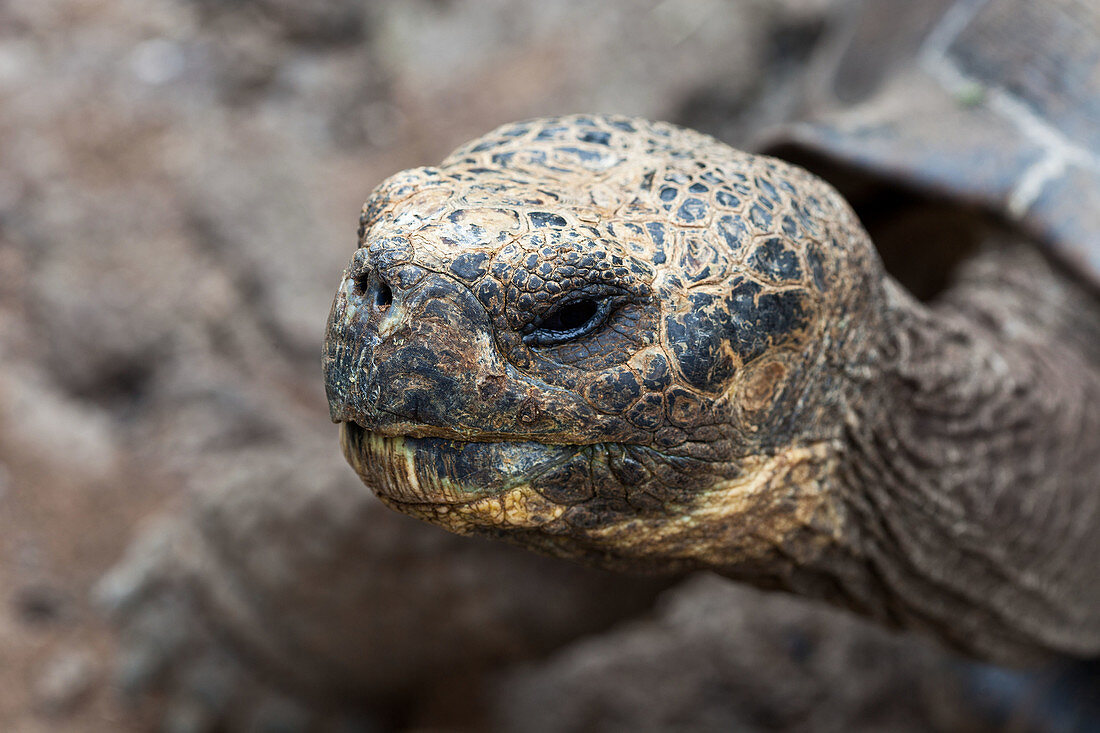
(422, 471)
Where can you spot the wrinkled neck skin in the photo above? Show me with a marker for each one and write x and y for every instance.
(971, 475)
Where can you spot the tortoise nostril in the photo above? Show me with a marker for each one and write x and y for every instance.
(383, 296)
(371, 289)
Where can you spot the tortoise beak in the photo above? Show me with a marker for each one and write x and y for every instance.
(439, 471)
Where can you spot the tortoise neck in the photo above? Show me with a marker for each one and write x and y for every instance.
(973, 469)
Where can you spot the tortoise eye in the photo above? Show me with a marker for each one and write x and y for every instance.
(570, 316)
(569, 321)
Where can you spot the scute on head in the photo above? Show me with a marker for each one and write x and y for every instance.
(607, 284)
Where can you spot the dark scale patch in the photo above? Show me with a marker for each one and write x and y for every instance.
(809, 224)
(588, 260)
(535, 157)
(582, 153)
(656, 375)
(487, 145)
(668, 193)
(614, 392)
(732, 231)
(622, 125)
(771, 195)
(711, 177)
(727, 199)
(760, 218)
(546, 219)
(775, 261)
(696, 338)
(490, 293)
(737, 181)
(700, 260)
(761, 319)
(516, 131)
(597, 137)
(749, 320)
(459, 216)
(789, 227)
(503, 159)
(501, 270)
(656, 231)
(647, 413)
(391, 251)
(409, 276)
(698, 188)
(553, 132)
(470, 266)
(692, 210)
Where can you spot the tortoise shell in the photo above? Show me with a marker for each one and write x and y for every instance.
(994, 103)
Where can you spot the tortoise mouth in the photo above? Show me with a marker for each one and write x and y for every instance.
(416, 474)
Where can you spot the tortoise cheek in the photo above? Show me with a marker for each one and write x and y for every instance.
(760, 384)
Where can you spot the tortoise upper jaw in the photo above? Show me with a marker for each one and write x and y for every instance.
(395, 427)
(408, 469)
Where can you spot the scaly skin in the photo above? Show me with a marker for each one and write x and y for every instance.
(626, 343)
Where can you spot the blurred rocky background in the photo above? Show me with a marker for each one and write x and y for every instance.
(179, 187)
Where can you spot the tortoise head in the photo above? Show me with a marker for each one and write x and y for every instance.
(599, 337)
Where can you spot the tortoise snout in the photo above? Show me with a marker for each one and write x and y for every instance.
(405, 357)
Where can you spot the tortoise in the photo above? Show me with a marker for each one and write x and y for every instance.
(627, 343)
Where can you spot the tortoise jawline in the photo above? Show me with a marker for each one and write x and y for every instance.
(410, 471)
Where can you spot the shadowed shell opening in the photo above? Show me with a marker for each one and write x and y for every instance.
(922, 238)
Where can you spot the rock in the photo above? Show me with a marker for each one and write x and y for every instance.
(721, 657)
